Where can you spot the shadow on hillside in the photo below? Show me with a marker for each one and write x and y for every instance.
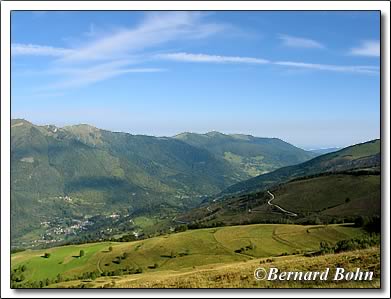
(348, 225)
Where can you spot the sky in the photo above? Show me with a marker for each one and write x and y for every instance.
(309, 78)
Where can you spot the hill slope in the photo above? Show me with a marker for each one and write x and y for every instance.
(241, 274)
(178, 251)
(324, 198)
(249, 154)
(63, 176)
(332, 187)
(353, 157)
(80, 170)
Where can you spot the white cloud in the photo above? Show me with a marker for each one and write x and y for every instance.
(79, 77)
(156, 29)
(116, 48)
(205, 58)
(367, 48)
(329, 67)
(104, 56)
(299, 42)
(38, 50)
(187, 57)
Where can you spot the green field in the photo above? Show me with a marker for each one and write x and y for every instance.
(340, 194)
(240, 274)
(177, 251)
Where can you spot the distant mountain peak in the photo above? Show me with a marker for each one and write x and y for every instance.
(82, 127)
(241, 136)
(214, 134)
(19, 122)
(183, 135)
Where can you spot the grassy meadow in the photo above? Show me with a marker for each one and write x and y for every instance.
(187, 251)
(240, 274)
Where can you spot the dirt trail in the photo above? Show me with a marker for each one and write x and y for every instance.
(278, 207)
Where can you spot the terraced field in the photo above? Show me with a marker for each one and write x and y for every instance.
(186, 250)
(240, 274)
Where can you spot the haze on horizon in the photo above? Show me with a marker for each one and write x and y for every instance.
(309, 78)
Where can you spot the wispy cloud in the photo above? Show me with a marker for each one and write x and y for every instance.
(77, 76)
(205, 58)
(330, 67)
(367, 48)
(38, 50)
(187, 57)
(156, 29)
(299, 42)
(106, 55)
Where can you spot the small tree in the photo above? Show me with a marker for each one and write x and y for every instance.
(325, 247)
(47, 255)
(59, 278)
(110, 248)
(360, 221)
(81, 254)
(93, 275)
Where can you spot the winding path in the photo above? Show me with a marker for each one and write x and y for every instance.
(98, 265)
(278, 207)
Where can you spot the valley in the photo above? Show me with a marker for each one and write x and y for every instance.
(93, 208)
(150, 146)
(63, 176)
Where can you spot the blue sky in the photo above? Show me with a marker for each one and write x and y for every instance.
(309, 78)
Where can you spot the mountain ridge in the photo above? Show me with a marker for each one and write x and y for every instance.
(78, 171)
(343, 159)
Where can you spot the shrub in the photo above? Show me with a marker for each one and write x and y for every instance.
(360, 221)
(358, 243)
(373, 225)
(325, 248)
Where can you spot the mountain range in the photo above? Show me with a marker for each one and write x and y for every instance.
(338, 186)
(82, 171)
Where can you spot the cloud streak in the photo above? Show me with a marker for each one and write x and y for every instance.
(38, 50)
(299, 42)
(330, 67)
(188, 57)
(205, 58)
(367, 48)
(80, 77)
(156, 29)
(107, 55)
